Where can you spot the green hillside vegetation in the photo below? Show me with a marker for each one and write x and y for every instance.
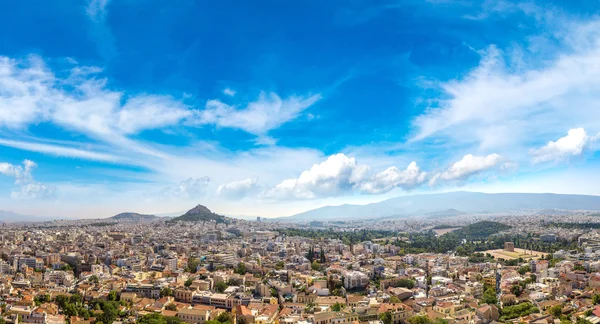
(200, 214)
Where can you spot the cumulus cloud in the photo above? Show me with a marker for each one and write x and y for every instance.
(190, 188)
(258, 117)
(340, 174)
(26, 186)
(468, 166)
(238, 189)
(571, 145)
(336, 175)
(392, 177)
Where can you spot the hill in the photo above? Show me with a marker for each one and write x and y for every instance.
(447, 204)
(200, 214)
(133, 217)
(479, 230)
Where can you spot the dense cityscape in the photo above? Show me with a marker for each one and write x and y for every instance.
(205, 268)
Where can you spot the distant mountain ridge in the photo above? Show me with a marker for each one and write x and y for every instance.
(133, 217)
(200, 213)
(451, 203)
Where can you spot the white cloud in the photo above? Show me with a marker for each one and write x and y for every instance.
(340, 174)
(392, 177)
(33, 190)
(238, 189)
(59, 150)
(258, 117)
(511, 101)
(571, 145)
(26, 186)
(468, 166)
(191, 188)
(336, 175)
(229, 92)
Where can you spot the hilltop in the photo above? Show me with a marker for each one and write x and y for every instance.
(133, 217)
(200, 213)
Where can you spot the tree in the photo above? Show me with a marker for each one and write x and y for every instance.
(70, 310)
(581, 320)
(337, 307)
(322, 255)
(315, 266)
(489, 297)
(188, 282)
(420, 320)
(517, 290)
(192, 264)
(93, 279)
(596, 299)
(386, 317)
(224, 317)
(171, 307)
(112, 296)
(395, 300)
(220, 286)
(166, 291)
(555, 311)
(279, 265)
(524, 269)
(157, 318)
(76, 299)
(240, 268)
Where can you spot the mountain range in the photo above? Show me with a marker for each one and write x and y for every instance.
(448, 205)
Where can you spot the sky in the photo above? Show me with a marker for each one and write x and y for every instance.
(271, 108)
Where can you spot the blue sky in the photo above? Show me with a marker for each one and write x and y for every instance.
(271, 108)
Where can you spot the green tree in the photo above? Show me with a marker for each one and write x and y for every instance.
(279, 265)
(224, 317)
(337, 307)
(220, 286)
(240, 268)
(420, 320)
(70, 310)
(192, 264)
(596, 299)
(171, 307)
(166, 291)
(112, 296)
(188, 282)
(315, 266)
(555, 311)
(386, 317)
(93, 279)
(489, 297)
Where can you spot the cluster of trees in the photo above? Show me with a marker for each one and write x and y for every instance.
(347, 237)
(426, 320)
(192, 264)
(157, 318)
(523, 309)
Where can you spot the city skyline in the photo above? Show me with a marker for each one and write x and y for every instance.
(271, 109)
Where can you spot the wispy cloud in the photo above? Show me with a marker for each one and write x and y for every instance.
(257, 117)
(97, 11)
(467, 167)
(61, 151)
